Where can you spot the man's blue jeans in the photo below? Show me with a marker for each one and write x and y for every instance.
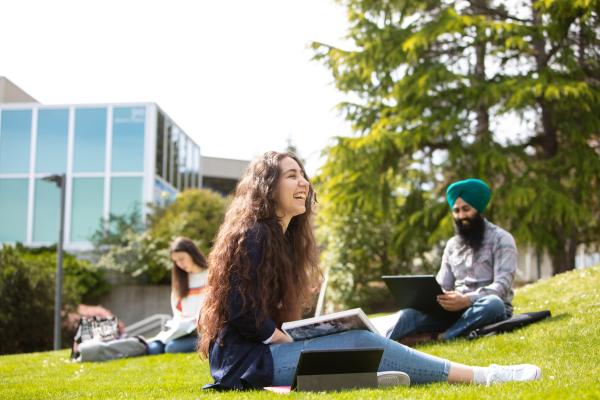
(421, 367)
(487, 310)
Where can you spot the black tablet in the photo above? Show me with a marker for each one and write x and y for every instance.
(354, 362)
(418, 292)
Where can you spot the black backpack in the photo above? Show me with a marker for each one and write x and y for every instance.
(517, 321)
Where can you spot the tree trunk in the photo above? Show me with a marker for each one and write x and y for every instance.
(483, 118)
(563, 256)
(563, 259)
(549, 138)
(581, 44)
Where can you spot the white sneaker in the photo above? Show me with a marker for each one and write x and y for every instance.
(516, 373)
(392, 378)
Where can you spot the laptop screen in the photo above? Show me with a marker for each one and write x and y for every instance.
(419, 292)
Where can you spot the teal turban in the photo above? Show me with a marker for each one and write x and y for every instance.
(474, 191)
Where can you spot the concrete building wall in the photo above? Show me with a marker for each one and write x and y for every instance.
(533, 266)
(223, 167)
(222, 174)
(11, 93)
(132, 303)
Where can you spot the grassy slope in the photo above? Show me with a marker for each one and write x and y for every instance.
(567, 347)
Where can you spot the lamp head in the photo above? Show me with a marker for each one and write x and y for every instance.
(58, 179)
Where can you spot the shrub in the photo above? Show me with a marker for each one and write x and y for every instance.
(196, 213)
(27, 280)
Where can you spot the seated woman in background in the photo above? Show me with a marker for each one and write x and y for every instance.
(264, 271)
(188, 281)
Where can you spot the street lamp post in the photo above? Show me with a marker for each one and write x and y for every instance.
(60, 181)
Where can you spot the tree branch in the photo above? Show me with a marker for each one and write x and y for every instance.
(478, 5)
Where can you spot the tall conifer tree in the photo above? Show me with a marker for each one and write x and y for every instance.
(430, 83)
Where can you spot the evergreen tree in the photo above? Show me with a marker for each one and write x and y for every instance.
(291, 147)
(429, 82)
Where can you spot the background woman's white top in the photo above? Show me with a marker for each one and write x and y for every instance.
(190, 306)
(186, 310)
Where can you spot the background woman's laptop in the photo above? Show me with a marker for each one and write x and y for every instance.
(418, 292)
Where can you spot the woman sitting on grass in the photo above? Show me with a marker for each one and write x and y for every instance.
(264, 271)
(188, 281)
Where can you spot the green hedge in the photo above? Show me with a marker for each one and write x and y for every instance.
(27, 295)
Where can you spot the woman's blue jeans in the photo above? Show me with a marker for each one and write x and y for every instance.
(185, 344)
(421, 367)
(487, 310)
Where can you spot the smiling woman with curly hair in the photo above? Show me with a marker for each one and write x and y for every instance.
(263, 271)
(252, 234)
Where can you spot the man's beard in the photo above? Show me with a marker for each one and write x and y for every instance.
(471, 233)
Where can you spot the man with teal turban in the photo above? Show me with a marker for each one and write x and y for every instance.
(475, 192)
(478, 267)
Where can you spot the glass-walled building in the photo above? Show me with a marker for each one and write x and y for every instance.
(117, 158)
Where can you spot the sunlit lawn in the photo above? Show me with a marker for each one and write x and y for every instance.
(566, 347)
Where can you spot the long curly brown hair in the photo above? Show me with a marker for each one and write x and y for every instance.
(289, 271)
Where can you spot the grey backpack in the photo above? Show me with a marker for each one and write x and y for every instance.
(95, 350)
(97, 339)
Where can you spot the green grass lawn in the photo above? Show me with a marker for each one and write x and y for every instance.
(566, 347)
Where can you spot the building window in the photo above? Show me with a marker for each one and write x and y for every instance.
(13, 209)
(125, 196)
(196, 168)
(46, 211)
(128, 139)
(15, 140)
(90, 139)
(181, 184)
(189, 165)
(175, 138)
(225, 186)
(169, 152)
(86, 212)
(160, 144)
(52, 131)
(163, 194)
